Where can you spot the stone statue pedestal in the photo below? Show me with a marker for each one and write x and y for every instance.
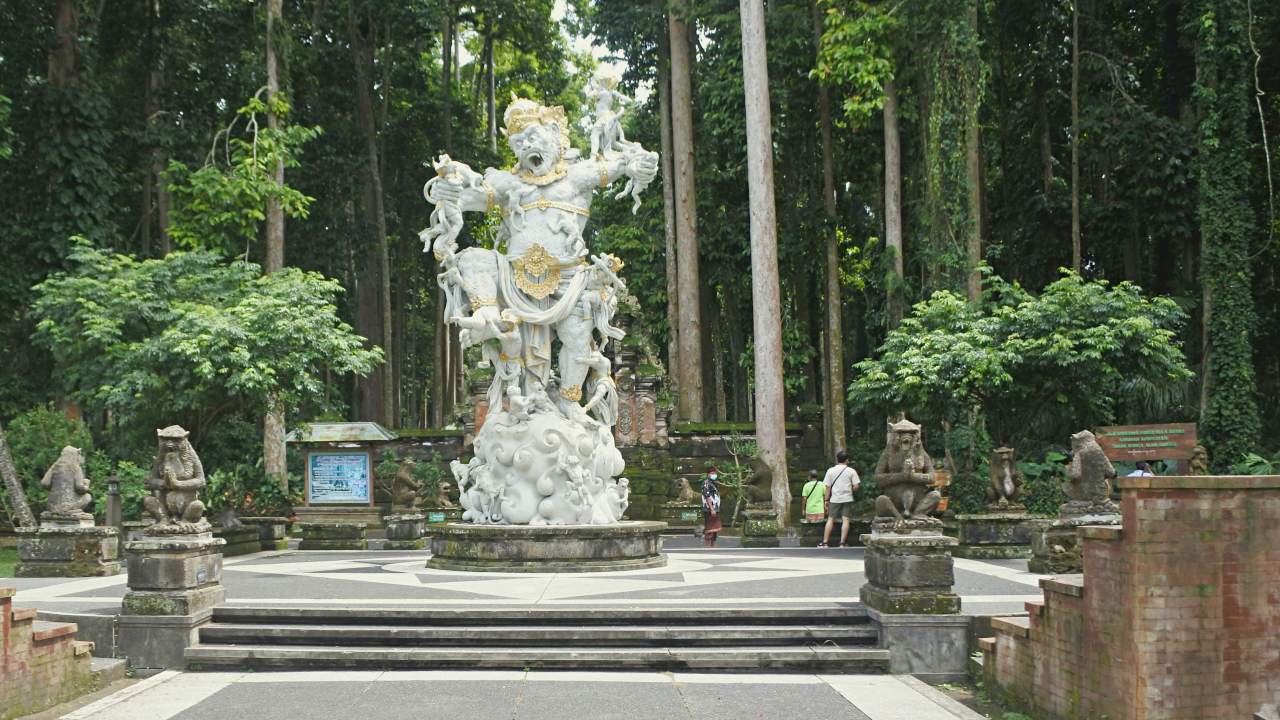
(439, 514)
(995, 534)
(681, 517)
(405, 531)
(240, 540)
(908, 593)
(760, 527)
(627, 545)
(1055, 546)
(271, 531)
(332, 536)
(70, 547)
(174, 583)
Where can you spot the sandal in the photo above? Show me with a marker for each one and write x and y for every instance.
(823, 545)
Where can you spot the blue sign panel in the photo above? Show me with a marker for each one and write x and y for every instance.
(338, 477)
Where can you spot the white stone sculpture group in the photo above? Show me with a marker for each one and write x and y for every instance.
(545, 453)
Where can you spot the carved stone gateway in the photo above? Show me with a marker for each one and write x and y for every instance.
(67, 544)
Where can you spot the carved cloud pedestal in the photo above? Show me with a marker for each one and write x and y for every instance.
(174, 583)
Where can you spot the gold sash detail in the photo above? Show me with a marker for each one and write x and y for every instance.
(538, 271)
(543, 204)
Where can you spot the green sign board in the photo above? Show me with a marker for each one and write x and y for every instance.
(435, 517)
(689, 515)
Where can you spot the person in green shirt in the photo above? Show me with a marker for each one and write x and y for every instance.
(815, 498)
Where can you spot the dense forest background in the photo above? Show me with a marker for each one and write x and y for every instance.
(915, 142)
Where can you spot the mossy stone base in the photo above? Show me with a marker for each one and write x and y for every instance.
(994, 535)
(174, 575)
(173, 602)
(240, 540)
(681, 517)
(419, 544)
(547, 548)
(68, 551)
(910, 574)
(760, 527)
(271, 531)
(992, 552)
(332, 536)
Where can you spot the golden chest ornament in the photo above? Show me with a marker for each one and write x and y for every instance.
(537, 272)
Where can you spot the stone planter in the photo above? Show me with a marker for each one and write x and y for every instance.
(240, 540)
(404, 531)
(994, 535)
(271, 531)
(68, 551)
(759, 527)
(547, 548)
(332, 536)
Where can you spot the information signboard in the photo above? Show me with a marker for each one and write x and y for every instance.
(435, 517)
(1172, 441)
(338, 477)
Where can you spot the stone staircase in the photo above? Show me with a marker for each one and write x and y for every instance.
(42, 664)
(830, 639)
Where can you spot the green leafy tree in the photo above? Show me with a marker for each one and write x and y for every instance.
(192, 338)
(1026, 369)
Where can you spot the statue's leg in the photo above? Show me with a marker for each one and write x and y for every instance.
(886, 508)
(152, 506)
(575, 343)
(928, 503)
(194, 512)
(84, 501)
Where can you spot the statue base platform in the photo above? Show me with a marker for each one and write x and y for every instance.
(994, 535)
(68, 550)
(1055, 545)
(404, 531)
(909, 571)
(332, 536)
(271, 531)
(760, 527)
(438, 514)
(547, 548)
(681, 517)
(240, 540)
(174, 583)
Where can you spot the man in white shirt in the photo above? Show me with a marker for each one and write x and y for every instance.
(841, 480)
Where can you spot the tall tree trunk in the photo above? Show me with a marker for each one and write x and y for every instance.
(62, 57)
(669, 209)
(22, 516)
(689, 372)
(446, 74)
(1077, 251)
(273, 433)
(893, 203)
(973, 168)
(833, 410)
(491, 96)
(1046, 139)
(767, 321)
(708, 312)
(362, 54)
(737, 347)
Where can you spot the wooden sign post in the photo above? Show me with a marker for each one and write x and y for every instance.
(1131, 443)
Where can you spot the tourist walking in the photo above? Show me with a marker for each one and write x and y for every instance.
(815, 498)
(1142, 469)
(840, 483)
(711, 525)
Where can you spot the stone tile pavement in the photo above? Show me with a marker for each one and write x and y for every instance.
(693, 577)
(515, 695)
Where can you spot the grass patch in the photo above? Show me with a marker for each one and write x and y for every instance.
(8, 562)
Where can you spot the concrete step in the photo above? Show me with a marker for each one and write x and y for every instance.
(537, 635)
(108, 670)
(832, 614)
(706, 659)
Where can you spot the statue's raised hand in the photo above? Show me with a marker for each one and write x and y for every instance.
(643, 167)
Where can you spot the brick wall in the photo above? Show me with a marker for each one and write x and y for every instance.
(1177, 615)
(41, 663)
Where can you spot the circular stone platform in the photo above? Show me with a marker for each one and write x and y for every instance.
(547, 548)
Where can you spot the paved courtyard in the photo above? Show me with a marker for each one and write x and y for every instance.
(692, 577)
(515, 695)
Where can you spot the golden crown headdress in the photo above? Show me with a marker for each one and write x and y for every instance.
(523, 112)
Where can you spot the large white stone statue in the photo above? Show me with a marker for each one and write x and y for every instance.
(545, 454)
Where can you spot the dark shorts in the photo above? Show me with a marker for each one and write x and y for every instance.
(840, 510)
